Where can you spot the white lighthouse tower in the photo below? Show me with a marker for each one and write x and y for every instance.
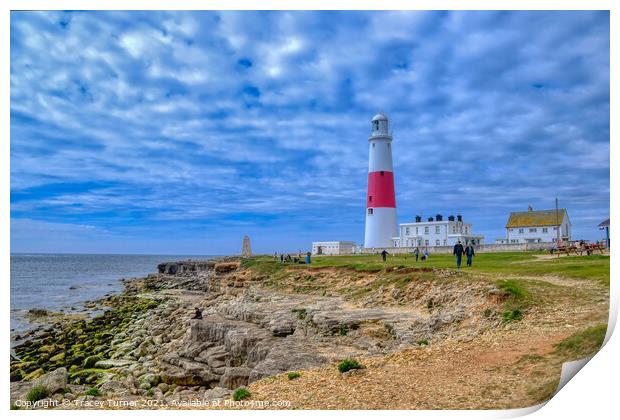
(381, 199)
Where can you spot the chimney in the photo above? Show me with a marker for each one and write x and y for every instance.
(439, 218)
(459, 218)
(430, 219)
(418, 219)
(451, 218)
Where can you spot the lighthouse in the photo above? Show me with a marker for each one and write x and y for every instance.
(381, 198)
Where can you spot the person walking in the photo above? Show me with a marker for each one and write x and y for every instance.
(282, 258)
(308, 258)
(416, 252)
(469, 253)
(458, 252)
(384, 255)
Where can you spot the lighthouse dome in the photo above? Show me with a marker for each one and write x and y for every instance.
(379, 117)
(380, 125)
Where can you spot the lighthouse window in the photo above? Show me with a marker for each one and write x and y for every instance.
(369, 211)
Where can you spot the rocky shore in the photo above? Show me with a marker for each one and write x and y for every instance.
(260, 319)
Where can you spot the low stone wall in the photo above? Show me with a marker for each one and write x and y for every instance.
(479, 248)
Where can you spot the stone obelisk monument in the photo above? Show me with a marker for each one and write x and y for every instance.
(246, 249)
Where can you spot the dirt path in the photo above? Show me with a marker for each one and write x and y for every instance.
(483, 373)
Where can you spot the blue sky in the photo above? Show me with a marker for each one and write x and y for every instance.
(180, 132)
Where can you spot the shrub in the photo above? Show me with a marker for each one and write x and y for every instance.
(423, 342)
(37, 393)
(343, 330)
(241, 394)
(301, 313)
(512, 288)
(348, 364)
(513, 315)
(293, 375)
(93, 391)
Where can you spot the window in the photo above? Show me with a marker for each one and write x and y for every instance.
(416, 230)
(437, 242)
(555, 228)
(453, 229)
(511, 230)
(407, 231)
(426, 231)
(373, 145)
(426, 242)
(369, 211)
(520, 230)
(375, 125)
(370, 198)
(444, 242)
(532, 229)
(437, 229)
(545, 230)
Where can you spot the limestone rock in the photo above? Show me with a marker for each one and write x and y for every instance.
(235, 377)
(54, 381)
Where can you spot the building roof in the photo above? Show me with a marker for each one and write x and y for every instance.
(535, 218)
(604, 223)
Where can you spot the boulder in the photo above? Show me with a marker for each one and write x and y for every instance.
(113, 363)
(235, 377)
(54, 381)
(217, 393)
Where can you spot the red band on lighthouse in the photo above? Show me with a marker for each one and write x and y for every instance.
(381, 190)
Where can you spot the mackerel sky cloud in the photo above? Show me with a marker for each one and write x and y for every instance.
(179, 132)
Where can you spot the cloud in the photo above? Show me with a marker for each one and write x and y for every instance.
(259, 120)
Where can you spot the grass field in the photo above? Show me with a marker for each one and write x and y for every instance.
(595, 267)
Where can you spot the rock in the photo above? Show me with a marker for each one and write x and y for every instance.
(164, 387)
(217, 393)
(113, 387)
(34, 374)
(38, 312)
(90, 361)
(113, 363)
(54, 381)
(235, 377)
(151, 379)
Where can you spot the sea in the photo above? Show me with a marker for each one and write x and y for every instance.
(64, 282)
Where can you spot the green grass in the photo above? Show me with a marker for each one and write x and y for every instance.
(594, 267)
(93, 392)
(37, 393)
(348, 364)
(582, 344)
(293, 375)
(241, 394)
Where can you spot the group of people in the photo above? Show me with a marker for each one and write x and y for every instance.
(288, 259)
(458, 252)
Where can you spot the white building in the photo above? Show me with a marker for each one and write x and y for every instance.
(381, 197)
(333, 248)
(436, 232)
(537, 226)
